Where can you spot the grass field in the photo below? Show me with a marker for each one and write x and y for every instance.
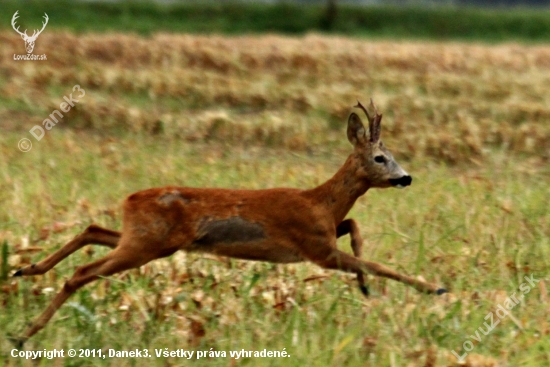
(443, 22)
(469, 122)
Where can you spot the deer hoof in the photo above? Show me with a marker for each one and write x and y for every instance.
(17, 341)
(440, 291)
(364, 289)
(18, 273)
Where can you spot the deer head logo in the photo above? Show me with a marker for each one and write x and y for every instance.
(29, 40)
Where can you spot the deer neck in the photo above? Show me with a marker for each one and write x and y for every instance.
(340, 192)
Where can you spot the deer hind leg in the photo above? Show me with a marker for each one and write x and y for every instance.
(339, 260)
(91, 235)
(350, 226)
(116, 261)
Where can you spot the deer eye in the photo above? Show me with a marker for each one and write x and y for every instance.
(379, 159)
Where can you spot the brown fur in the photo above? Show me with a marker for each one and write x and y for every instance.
(276, 225)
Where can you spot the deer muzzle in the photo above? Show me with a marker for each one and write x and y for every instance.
(401, 182)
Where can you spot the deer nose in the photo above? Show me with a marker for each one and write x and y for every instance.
(401, 182)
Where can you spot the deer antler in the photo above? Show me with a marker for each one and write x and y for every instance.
(13, 19)
(359, 105)
(374, 121)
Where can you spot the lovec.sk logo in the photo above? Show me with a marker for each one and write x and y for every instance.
(29, 40)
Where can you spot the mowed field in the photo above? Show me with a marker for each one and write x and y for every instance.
(469, 122)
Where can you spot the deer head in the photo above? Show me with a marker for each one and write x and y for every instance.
(29, 40)
(374, 162)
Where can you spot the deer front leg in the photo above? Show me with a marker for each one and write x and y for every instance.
(350, 226)
(331, 258)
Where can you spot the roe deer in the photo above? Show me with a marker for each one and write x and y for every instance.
(278, 225)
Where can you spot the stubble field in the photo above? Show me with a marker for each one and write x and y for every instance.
(469, 122)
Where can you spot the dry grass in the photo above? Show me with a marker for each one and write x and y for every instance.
(448, 101)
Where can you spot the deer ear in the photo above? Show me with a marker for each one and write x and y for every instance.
(356, 130)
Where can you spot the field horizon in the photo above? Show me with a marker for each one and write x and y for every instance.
(384, 21)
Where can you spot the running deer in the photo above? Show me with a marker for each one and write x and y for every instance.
(279, 225)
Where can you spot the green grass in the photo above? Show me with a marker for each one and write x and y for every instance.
(477, 231)
(443, 23)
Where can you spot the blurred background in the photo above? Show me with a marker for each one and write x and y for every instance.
(445, 19)
(254, 95)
